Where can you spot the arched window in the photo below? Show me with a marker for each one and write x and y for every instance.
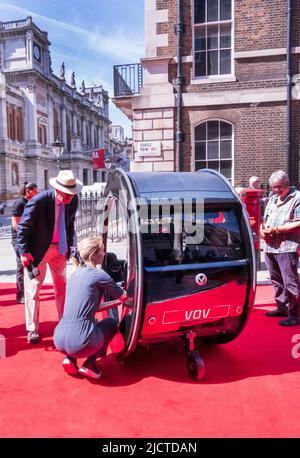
(213, 147)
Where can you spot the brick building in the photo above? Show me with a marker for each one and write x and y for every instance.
(225, 63)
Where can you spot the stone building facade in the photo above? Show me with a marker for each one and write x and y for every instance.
(234, 88)
(38, 108)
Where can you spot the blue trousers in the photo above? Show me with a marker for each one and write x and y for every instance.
(20, 271)
(109, 328)
(283, 270)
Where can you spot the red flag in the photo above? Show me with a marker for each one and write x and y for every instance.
(98, 158)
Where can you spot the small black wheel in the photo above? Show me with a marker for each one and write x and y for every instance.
(195, 365)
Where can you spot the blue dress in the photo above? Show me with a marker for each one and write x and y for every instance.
(77, 333)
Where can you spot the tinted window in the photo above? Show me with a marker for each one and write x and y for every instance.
(221, 241)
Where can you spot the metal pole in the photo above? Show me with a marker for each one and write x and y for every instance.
(179, 83)
(289, 87)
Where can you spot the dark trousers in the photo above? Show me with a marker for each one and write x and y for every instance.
(109, 328)
(283, 269)
(20, 271)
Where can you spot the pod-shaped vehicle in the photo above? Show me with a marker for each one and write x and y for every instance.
(183, 246)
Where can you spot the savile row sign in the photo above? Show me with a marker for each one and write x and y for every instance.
(149, 148)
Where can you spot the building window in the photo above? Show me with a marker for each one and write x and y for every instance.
(42, 134)
(56, 127)
(95, 176)
(85, 176)
(87, 135)
(14, 175)
(19, 125)
(212, 37)
(213, 147)
(11, 130)
(69, 133)
(46, 179)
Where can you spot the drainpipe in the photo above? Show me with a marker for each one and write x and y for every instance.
(179, 83)
(289, 87)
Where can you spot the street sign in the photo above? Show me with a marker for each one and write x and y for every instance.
(149, 148)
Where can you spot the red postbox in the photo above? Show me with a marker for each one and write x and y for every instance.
(252, 200)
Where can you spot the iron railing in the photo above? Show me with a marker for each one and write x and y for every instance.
(89, 217)
(128, 79)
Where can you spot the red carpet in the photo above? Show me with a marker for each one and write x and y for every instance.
(251, 388)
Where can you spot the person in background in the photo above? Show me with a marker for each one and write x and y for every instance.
(2, 207)
(27, 191)
(255, 183)
(281, 233)
(79, 334)
(45, 236)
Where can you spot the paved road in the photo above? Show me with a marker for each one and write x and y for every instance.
(8, 262)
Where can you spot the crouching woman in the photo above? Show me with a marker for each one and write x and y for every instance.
(79, 334)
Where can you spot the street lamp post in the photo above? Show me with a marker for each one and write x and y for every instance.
(58, 149)
(109, 165)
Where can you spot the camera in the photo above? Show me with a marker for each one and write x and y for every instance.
(32, 271)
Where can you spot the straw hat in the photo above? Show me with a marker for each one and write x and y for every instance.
(66, 182)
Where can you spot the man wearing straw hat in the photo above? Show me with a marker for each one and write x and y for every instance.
(45, 236)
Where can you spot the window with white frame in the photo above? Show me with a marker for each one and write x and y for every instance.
(212, 37)
(42, 134)
(213, 147)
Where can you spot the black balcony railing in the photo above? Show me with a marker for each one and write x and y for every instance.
(128, 79)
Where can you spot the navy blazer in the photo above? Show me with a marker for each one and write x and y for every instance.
(36, 227)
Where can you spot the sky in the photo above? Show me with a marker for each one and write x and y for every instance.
(90, 36)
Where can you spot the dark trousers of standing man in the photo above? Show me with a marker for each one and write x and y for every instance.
(283, 270)
(20, 272)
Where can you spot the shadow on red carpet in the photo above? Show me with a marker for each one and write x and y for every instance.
(243, 394)
(249, 355)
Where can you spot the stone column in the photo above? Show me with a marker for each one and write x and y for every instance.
(100, 137)
(31, 129)
(83, 130)
(92, 131)
(74, 123)
(51, 138)
(29, 36)
(3, 117)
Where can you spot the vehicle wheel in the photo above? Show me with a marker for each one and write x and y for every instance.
(195, 365)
